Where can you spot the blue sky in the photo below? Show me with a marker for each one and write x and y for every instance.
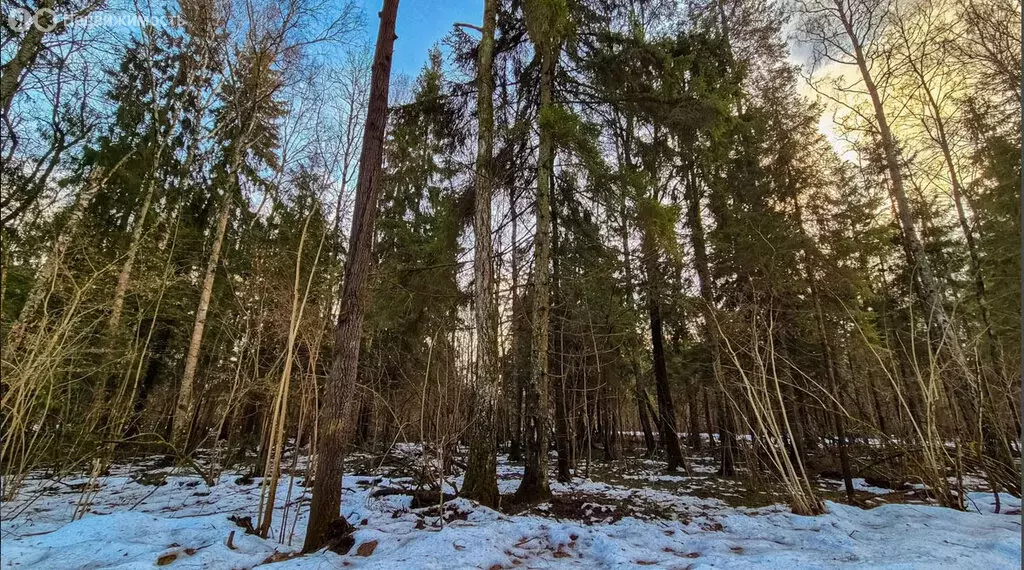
(421, 24)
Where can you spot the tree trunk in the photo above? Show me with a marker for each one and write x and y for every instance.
(942, 140)
(666, 411)
(45, 280)
(667, 431)
(693, 413)
(645, 422)
(711, 332)
(534, 485)
(795, 418)
(481, 481)
(925, 283)
(518, 366)
(563, 437)
(184, 408)
(133, 249)
(24, 58)
(325, 505)
(832, 373)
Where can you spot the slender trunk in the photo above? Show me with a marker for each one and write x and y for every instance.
(796, 420)
(340, 386)
(645, 422)
(832, 373)
(103, 396)
(47, 276)
(364, 420)
(693, 413)
(926, 284)
(534, 485)
(990, 375)
(627, 268)
(481, 482)
(133, 248)
(276, 447)
(942, 140)
(707, 418)
(4, 264)
(563, 438)
(666, 411)
(184, 408)
(518, 346)
(876, 400)
(711, 332)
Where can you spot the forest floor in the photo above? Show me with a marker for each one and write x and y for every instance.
(627, 514)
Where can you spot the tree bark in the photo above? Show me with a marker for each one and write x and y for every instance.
(666, 410)
(325, 505)
(481, 481)
(534, 485)
(184, 408)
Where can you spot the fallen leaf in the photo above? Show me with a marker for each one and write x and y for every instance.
(166, 559)
(366, 548)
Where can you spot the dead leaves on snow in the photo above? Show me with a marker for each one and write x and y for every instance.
(366, 548)
(165, 559)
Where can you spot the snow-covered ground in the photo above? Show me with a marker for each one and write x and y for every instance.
(647, 520)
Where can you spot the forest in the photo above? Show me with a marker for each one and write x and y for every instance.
(617, 283)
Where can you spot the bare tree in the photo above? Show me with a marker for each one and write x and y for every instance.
(847, 32)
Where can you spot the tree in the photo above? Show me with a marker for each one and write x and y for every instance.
(845, 31)
(326, 502)
(545, 20)
(481, 481)
(246, 121)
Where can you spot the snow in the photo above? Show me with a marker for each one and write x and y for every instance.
(184, 524)
(858, 485)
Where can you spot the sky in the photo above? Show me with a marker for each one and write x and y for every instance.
(421, 24)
